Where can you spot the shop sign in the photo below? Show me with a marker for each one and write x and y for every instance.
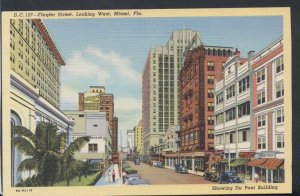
(267, 154)
(246, 154)
(219, 152)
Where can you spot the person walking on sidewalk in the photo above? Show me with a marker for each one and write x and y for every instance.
(113, 175)
(109, 176)
(124, 176)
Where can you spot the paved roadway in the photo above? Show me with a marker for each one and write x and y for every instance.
(162, 176)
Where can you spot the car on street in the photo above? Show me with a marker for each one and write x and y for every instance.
(131, 177)
(137, 162)
(160, 165)
(138, 182)
(211, 176)
(181, 169)
(229, 177)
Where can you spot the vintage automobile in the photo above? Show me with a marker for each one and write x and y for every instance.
(211, 176)
(229, 177)
(137, 162)
(131, 177)
(160, 165)
(139, 181)
(181, 169)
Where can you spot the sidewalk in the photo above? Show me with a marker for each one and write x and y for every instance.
(103, 181)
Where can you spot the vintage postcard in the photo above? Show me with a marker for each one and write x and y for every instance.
(147, 102)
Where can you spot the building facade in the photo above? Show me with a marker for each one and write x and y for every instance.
(95, 126)
(28, 108)
(160, 101)
(35, 57)
(138, 138)
(233, 115)
(130, 141)
(35, 64)
(202, 66)
(172, 146)
(268, 121)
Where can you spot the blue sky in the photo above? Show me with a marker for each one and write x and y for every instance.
(112, 52)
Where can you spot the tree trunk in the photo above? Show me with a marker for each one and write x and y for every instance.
(80, 178)
(68, 181)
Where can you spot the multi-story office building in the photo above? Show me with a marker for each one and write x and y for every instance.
(233, 114)
(268, 121)
(35, 57)
(94, 125)
(161, 88)
(202, 66)
(34, 84)
(130, 141)
(138, 138)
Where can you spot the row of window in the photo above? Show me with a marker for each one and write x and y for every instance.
(231, 137)
(261, 142)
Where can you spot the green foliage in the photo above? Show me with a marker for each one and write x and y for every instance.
(130, 171)
(48, 155)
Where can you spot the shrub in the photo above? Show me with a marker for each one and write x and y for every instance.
(130, 171)
(96, 179)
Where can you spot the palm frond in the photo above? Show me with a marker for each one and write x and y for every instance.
(29, 164)
(24, 132)
(75, 146)
(24, 145)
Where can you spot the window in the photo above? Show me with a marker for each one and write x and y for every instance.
(81, 115)
(230, 114)
(244, 84)
(93, 147)
(261, 142)
(210, 79)
(261, 98)
(260, 76)
(210, 93)
(210, 106)
(219, 118)
(219, 98)
(261, 121)
(210, 120)
(230, 92)
(210, 133)
(244, 109)
(232, 137)
(160, 141)
(280, 116)
(244, 135)
(279, 90)
(280, 141)
(210, 66)
(279, 64)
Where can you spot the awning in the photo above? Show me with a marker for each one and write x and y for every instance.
(210, 162)
(272, 163)
(223, 161)
(238, 162)
(256, 162)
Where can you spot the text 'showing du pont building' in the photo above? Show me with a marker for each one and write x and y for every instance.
(35, 64)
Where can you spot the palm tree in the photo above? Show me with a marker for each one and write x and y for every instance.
(46, 150)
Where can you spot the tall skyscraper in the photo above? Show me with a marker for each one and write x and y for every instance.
(161, 87)
(138, 137)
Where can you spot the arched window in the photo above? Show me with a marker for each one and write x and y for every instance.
(15, 119)
(224, 53)
(219, 52)
(214, 52)
(209, 52)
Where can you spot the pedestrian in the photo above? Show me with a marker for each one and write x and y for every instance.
(109, 176)
(124, 176)
(113, 175)
(256, 177)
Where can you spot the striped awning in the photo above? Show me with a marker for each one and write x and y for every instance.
(256, 162)
(272, 164)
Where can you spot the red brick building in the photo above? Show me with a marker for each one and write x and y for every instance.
(202, 66)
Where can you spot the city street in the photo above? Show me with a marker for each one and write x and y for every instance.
(161, 176)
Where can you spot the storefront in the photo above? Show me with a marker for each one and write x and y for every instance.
(239, 166)
(270, 170)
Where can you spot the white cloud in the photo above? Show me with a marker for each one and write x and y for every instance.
(127, 105)
(69, 98)
(122, 64)
(78, 66)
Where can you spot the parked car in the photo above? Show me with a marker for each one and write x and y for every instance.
(137, 162)
(160, 165)
(154, 163)
(138, 182)
(212, 176)
(181, 169)
(131, 177)
(230, 177)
